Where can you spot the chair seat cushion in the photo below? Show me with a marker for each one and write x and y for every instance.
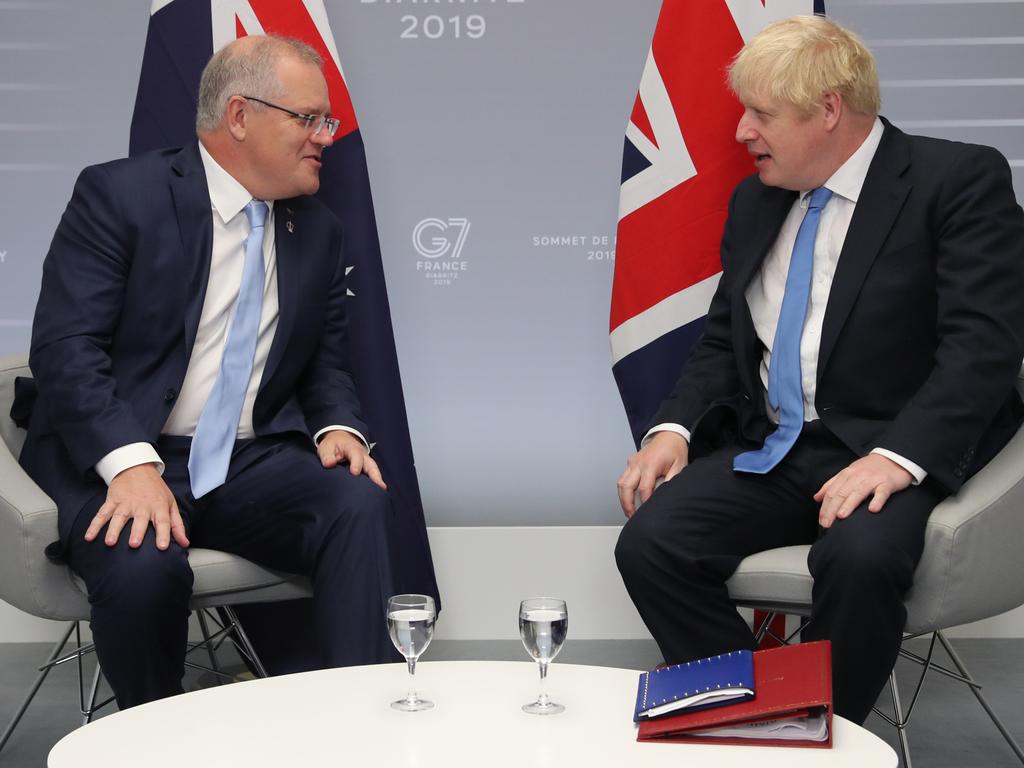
(776, 578)
(218, 574)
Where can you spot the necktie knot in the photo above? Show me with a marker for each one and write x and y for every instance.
(819, 197)
(256, 212)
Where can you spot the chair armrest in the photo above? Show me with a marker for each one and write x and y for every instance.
(28, 523)
(974, 544)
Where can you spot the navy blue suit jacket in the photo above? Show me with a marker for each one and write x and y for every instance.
(122, 291)
(923, 332)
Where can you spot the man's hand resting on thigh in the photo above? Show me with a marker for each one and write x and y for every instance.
(140, 495)
(873, 475)
(340, 446)
(665, 456)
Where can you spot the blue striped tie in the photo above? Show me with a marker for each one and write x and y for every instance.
(215, 433)
(785, 391)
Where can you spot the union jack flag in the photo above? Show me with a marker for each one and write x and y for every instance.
(679, 166)
(183, 34)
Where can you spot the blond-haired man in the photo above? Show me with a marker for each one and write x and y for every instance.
(857, 364)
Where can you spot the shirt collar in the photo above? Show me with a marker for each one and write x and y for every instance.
(227, 195)
(849, 179)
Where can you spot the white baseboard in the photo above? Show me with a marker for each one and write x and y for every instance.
(483, 573)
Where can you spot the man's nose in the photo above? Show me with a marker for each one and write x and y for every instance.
(322, 137)
(744, 131)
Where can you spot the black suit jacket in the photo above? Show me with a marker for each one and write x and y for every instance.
(122, 291)
(923, 332)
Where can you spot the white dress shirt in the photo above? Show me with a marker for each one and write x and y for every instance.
(228, 199)
(766, 289)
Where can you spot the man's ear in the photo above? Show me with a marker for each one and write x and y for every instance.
(832, 106)
(236, 117)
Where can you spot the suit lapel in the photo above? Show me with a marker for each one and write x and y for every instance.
(770, 213)
(195, 225)
(882, 197)
(287, 237)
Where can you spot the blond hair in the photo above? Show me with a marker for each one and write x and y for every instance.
(800, 59)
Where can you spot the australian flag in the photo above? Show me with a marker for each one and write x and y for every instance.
(679, 166)
(183, 35)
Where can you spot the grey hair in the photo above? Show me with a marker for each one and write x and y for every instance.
(246, 70)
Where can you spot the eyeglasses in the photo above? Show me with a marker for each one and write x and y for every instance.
(314, 123)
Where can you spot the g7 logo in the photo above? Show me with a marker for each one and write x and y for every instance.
(439, 244)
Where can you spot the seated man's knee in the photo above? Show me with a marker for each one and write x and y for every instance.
(860, 561)
(356, 503)
(634, 545)
(145, 580)
(372, 499)
(656, 543)
(647, 541)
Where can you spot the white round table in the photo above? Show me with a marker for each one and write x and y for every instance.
(341, 717)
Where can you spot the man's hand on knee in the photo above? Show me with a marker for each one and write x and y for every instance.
(340, 446)
(664, 456)
(139, 494)
(874, 475)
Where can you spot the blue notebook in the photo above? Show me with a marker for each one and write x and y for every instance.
(723, 679)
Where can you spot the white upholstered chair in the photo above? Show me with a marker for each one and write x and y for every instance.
(31, 583)
(971, 569)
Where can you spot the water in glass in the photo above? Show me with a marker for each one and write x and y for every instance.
(543, 632)
(411, 626)
(543, 624)
(411, 630)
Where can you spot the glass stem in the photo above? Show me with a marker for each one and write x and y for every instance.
(412, 697)
(543, 698)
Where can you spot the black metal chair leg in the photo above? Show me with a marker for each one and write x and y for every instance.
(243, 641)
(43, 672)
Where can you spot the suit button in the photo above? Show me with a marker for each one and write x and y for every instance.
(958, 472)
(169, 395)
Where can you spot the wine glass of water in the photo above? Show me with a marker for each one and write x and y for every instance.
(411, 626)
(543, 622)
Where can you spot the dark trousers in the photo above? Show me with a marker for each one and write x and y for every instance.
(279, 508)
(676, 553)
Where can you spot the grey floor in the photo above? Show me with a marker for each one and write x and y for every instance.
(948, 729)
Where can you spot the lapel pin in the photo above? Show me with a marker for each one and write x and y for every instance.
(289, 226)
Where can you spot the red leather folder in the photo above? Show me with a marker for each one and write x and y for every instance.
(789, 682)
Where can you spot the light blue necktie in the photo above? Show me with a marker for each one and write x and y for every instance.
(785, 391)
(215, 433)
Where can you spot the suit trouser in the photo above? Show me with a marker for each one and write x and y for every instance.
(676, 553)
(278, 507)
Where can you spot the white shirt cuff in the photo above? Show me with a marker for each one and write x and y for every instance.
(335, 427)
(918, 473)
(667, 427)
(126, 457)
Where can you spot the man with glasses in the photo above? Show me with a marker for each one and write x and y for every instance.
(189, 349)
